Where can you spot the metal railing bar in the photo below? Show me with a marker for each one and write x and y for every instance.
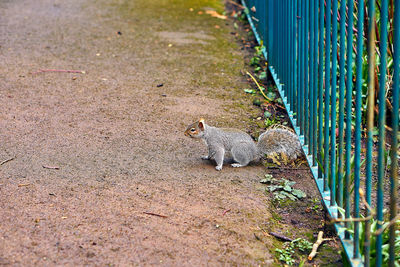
(320, 83)
(327, 93)
(395, 129)
(311, 79)
(358, 125)
(370, 124)
(342, 62)
(298, 69)
(315, 82)
(306, 97)
(333, 102)
(381, 123)
(349, 92)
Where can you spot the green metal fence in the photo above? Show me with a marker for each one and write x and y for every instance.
(337, 67)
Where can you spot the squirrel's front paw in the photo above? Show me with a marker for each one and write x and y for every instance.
(205, 157)
(218, 168)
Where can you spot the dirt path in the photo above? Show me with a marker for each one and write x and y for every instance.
(118, 139)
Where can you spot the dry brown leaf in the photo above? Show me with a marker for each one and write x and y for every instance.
(214, 13)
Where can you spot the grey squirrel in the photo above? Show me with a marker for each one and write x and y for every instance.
(241, 146)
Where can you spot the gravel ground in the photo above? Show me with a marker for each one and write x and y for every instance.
(94, 152)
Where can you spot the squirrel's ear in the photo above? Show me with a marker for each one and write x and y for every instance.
(201, 120)
(201, 124)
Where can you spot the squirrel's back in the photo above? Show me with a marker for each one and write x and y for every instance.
(227, 137)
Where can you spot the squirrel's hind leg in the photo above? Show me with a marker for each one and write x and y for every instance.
(242, 154)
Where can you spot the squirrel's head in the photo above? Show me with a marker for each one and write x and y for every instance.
(196, 130)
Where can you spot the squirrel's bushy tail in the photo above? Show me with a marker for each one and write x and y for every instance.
(279, 140)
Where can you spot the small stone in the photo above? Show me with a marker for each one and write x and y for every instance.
(90, 254)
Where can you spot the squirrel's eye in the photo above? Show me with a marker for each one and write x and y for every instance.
(193, 130)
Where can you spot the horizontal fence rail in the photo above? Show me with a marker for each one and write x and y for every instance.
(337, 67)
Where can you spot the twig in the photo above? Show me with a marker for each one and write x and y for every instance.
(155, 214)
(51, 167)
(21, 185)
(236, 4)
(364, 201)
(391, 222)
(259, 87)
(7, 160)
(353, 219)
(279, 106)
(316, 245)
(226, 211)
(286, 168)
(282, 237)
(54, 70)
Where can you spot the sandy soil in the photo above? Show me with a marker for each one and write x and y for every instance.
(117, 139)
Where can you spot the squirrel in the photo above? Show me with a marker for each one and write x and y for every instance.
(240, 144)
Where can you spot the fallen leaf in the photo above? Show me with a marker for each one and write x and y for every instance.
(217, 26)
(214, 13)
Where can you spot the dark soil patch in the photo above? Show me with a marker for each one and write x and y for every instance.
(303, 218)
